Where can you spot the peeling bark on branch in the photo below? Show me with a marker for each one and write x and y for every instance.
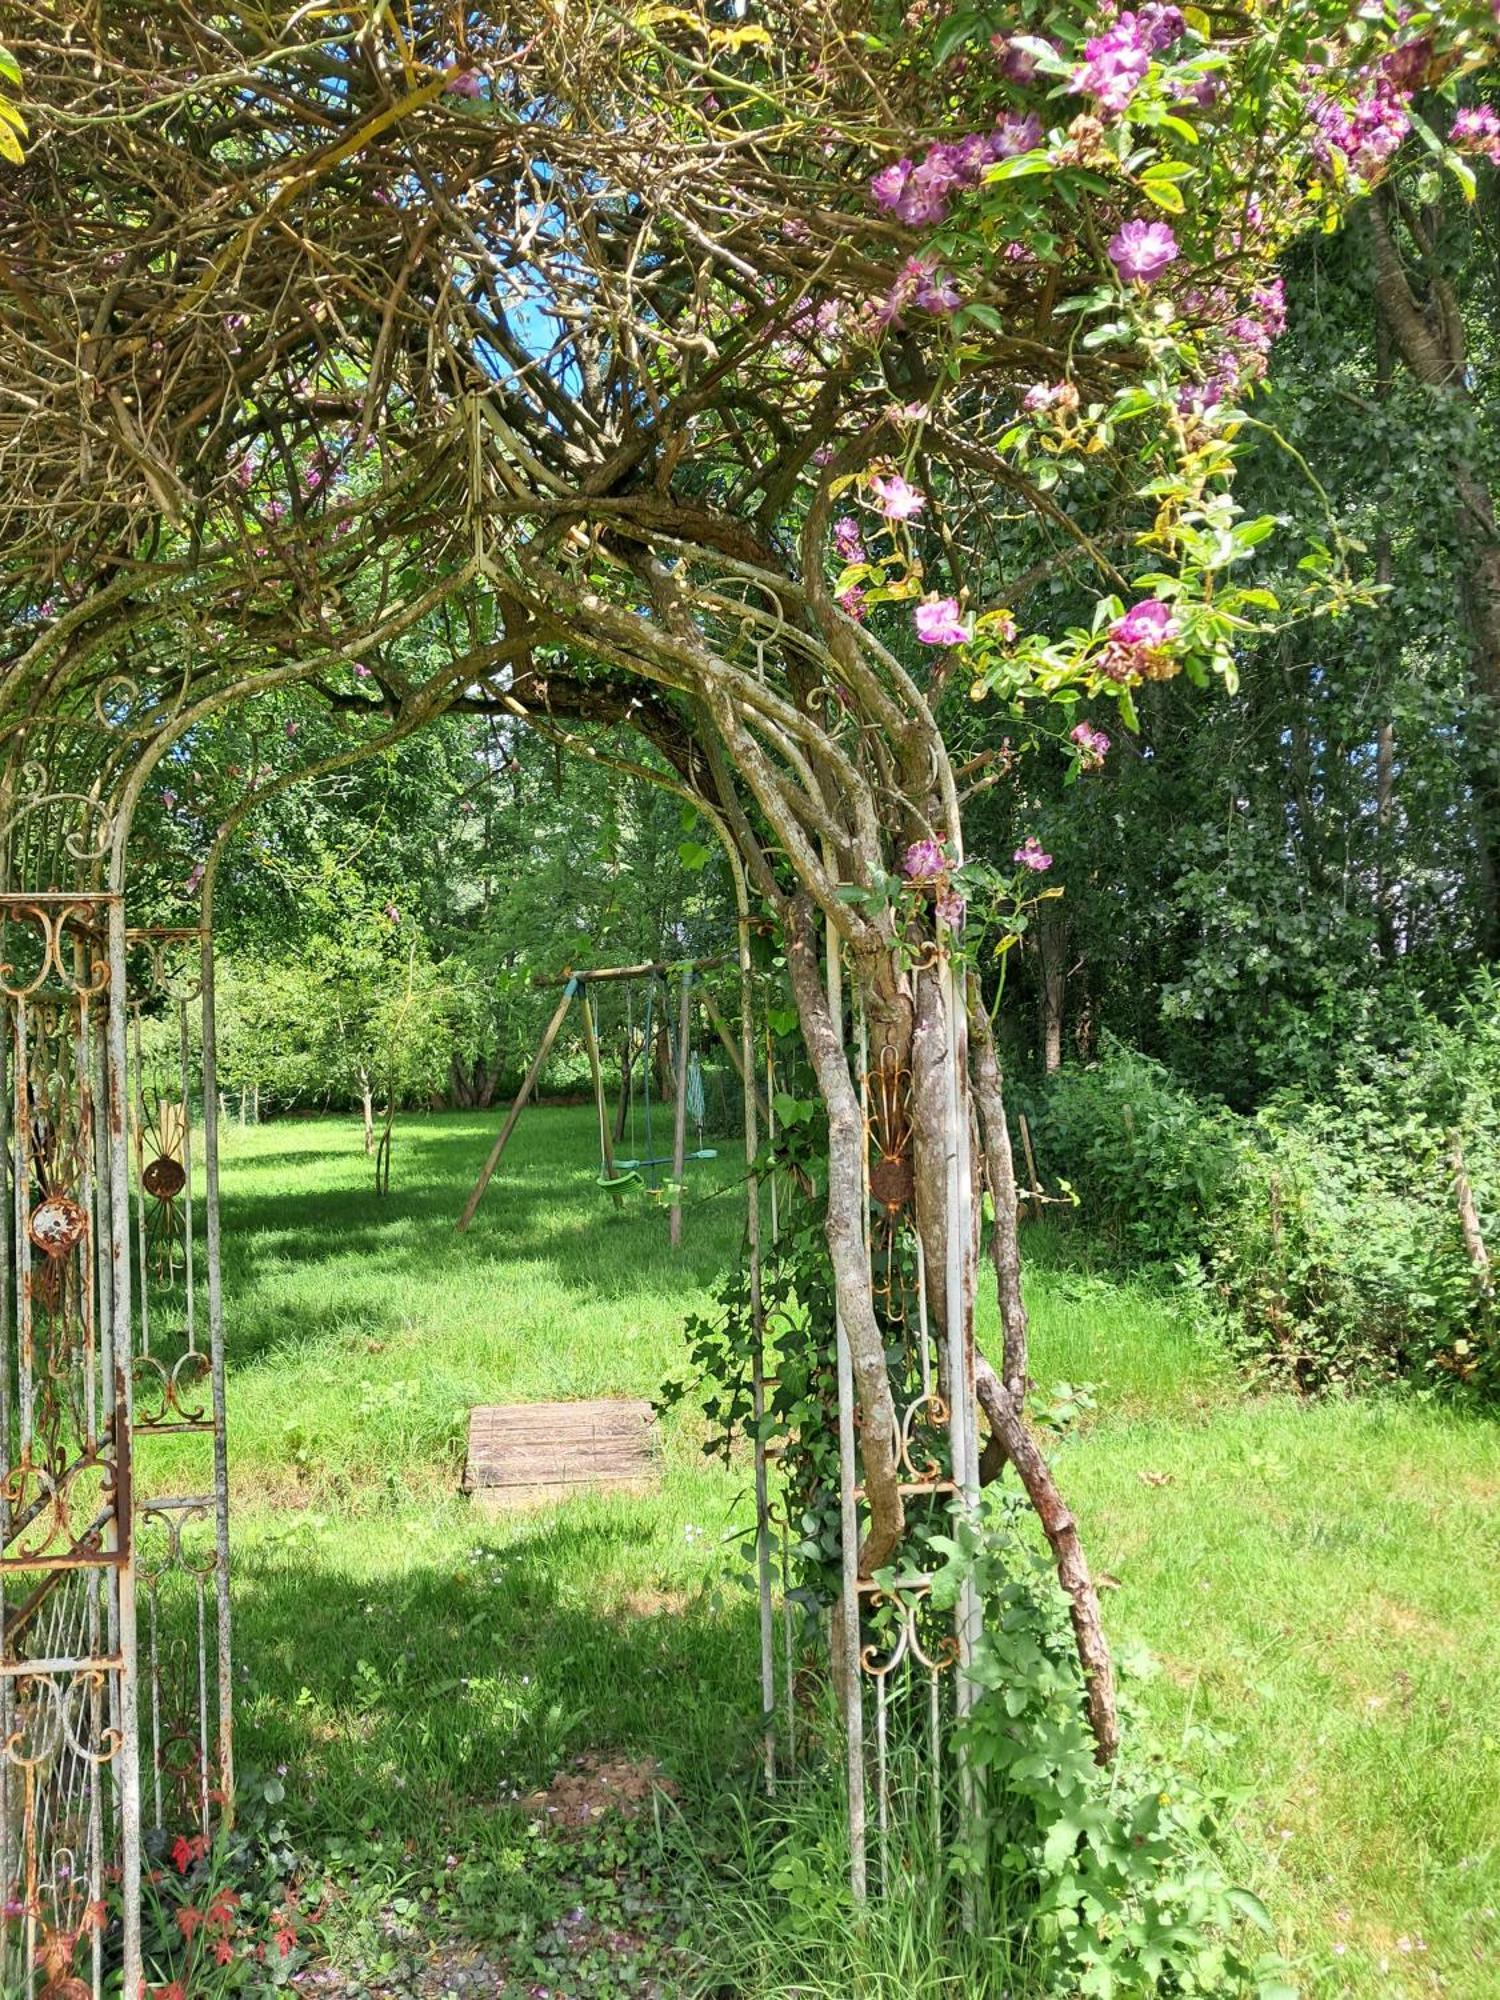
(1000, 1176)
(1008, 1425)
(845, 1229)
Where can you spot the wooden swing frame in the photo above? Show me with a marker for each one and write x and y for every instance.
(575, 986)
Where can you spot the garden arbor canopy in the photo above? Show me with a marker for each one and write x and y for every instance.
(314, 446)
(311, 473)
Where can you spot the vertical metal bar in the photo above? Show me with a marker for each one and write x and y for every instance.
(99, 1036)
(154, 1656)
(771, 1129)
(140, 1196)
(679, 1107)
(187, 1167)
(963, 1442)
(883, 1780)
(9, 1242)
(935, 1754)
(789, 1649)
(120, 1535)
(203, 1818)
(22, 1171)
(924, 1330)
(758, 1339)
(96, 1787)
(853, 1691)
(849, 1664)
(105, 1227)
(85, 1095)
(214, 1246)
(788, 1637)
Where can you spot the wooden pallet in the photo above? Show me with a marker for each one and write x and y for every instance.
(524, 1454)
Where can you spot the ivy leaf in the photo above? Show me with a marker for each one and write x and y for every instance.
(1062, 1839)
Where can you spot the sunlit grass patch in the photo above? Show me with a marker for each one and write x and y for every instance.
(1317, 1583)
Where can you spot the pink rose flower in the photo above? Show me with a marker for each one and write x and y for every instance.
(1148, 624)
(895, 498)
(939, 623)
(925, 861)
(1141, 251)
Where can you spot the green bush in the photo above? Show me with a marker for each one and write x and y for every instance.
(1147, 1161)
(1328, 1275)
(1327, 1228)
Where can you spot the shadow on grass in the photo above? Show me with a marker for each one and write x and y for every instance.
(406, 1701)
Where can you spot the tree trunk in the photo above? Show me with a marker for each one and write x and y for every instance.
(1429, 337)
(1003, 1397)
(1050, 929)
(489, 1075)
(367, 1106)
(845, 1232)
(1061, 1530)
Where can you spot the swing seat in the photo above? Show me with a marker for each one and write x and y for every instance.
(631, 1168)
(619, 1181)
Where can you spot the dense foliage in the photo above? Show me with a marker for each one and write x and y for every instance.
(1273, 869)
(1329, 1231)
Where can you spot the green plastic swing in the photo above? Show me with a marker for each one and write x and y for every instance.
(635, 1172)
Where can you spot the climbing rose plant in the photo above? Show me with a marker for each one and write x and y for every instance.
(1145, 169)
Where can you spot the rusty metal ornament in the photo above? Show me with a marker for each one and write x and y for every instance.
(57, 1225)
(892, 1181)
(164, 1179)
(888, 1124)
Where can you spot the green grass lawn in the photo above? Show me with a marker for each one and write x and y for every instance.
(1317, 1585)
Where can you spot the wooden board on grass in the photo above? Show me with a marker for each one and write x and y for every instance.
(522, 1454)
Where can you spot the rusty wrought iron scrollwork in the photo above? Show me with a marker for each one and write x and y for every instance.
(105, 1344)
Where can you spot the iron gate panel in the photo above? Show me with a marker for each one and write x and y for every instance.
(111, 1389)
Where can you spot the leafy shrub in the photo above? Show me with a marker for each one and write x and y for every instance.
(1328, 1227)
(1147, 1160)
(1329, 1276)
(1113, 1875)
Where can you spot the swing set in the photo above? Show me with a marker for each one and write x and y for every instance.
(618, 1173)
